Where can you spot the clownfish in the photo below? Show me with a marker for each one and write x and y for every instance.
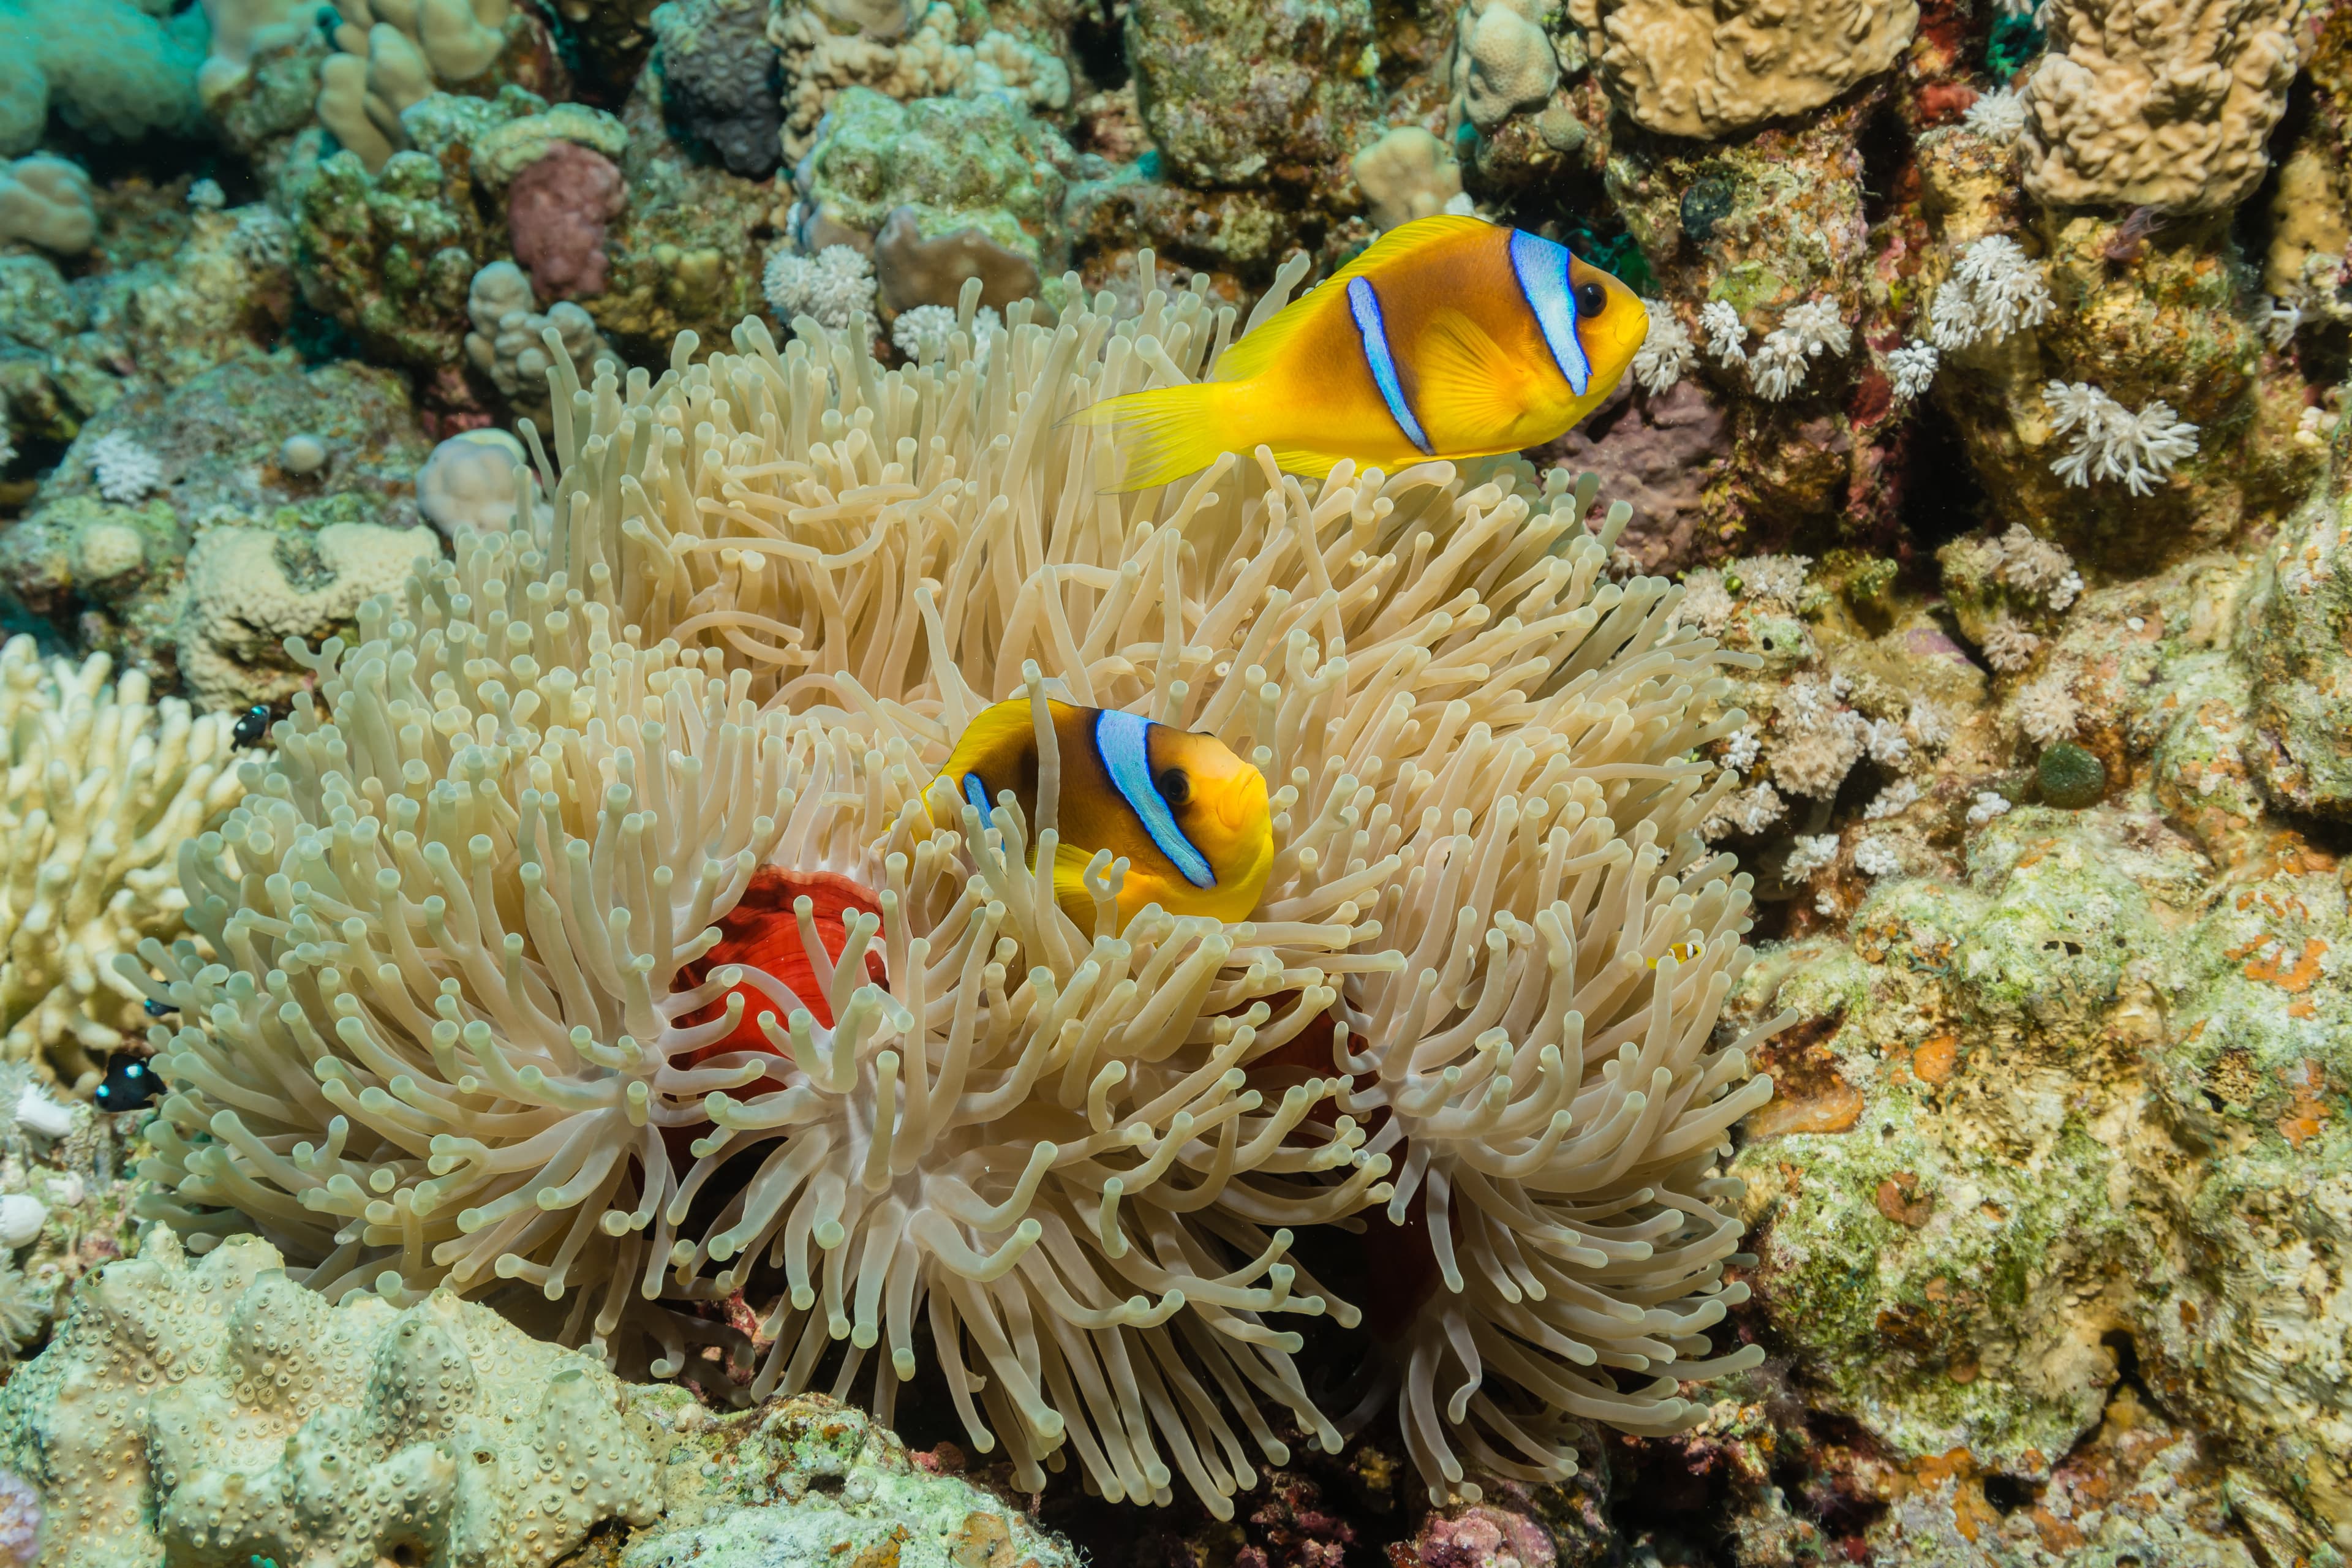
(1450, 337)
(1191, 818)
(1689, 952)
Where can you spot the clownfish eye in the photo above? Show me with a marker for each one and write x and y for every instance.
(1591, 299)
(1175, 788)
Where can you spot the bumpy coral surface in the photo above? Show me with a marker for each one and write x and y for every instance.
(100, 787)
(1702, 70)
(214, 1412)
(2165, 105)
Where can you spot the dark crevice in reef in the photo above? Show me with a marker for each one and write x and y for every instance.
(1942, 498)
(1887, 163)
(1098, 43)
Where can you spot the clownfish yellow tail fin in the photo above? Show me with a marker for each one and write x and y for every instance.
(1166, 433)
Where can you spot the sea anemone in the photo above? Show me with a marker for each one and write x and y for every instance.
(466, 1012)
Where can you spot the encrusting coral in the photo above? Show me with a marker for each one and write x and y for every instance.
(100, 788)
(217, 1414)
(465, 1021)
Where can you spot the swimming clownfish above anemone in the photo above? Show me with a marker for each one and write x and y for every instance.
(1449, 337)
(1191, 819)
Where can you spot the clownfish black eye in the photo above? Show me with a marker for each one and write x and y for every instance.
(1591, 299)
(1174, 787)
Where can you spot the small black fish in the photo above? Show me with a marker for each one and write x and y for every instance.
(160, 1009)
(130, 1085)
(252, 725)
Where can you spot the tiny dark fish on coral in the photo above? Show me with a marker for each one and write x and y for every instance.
(159, 1009)
(252, 725)
(129, 1084)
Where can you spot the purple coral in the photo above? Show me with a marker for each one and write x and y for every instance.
(557, 211)
(20, 1520)
(1478, 1537)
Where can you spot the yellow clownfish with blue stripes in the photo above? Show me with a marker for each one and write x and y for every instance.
(1450, 337)
(1191, 818)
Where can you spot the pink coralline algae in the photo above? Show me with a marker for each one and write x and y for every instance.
(20, 1522)
(1478, 1537)
(557, 211)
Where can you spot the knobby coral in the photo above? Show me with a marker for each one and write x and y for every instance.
(99, 787)
(462, 1023)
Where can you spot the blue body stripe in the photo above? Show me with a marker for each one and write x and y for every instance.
(1541, 268)
(1365, 306)
(977, 793)
(1122, 740)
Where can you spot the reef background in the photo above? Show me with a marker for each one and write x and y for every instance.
(2048, 779)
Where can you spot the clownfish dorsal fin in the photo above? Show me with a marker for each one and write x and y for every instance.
(996, 733)
(1467, 380)
(1258, 348)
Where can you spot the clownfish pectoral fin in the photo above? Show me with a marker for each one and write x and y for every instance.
(1164, 434)
(1262, 344)
(1070, 889)
(1307, 465)
(1469, 386)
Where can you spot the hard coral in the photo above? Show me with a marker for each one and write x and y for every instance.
(462, 915)
(1690, 68)
(2167, 103)
(718, 80)
(557, 210)
(216, 1413)
(99, 787)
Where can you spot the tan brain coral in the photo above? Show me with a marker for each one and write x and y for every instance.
(1706, 68)
(2166, 104)
(216, 1413)
(454, 1038)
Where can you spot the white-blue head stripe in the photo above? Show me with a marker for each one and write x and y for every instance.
(1123, 740)
(1365, 306)
(976, 793)
(1541, 268)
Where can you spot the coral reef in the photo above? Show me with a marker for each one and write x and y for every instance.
(1974, 649)
(101, 786)
(45, 200)
(557, 211)
(294, 1431)
(718, 80)
(2168, 107)
(1697, 70)
(938, 190)
(111, 69)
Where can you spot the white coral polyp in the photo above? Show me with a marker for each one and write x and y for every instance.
(2108, 441)
(444, 1041)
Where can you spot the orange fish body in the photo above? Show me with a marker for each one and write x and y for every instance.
(1450, 337)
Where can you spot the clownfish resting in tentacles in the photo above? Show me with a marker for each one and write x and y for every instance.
(1450, 337)
(1191, 819)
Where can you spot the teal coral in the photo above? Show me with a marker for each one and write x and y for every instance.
(105, 68)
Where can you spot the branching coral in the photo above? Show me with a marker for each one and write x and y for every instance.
(100, 786)
(467, 1027)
